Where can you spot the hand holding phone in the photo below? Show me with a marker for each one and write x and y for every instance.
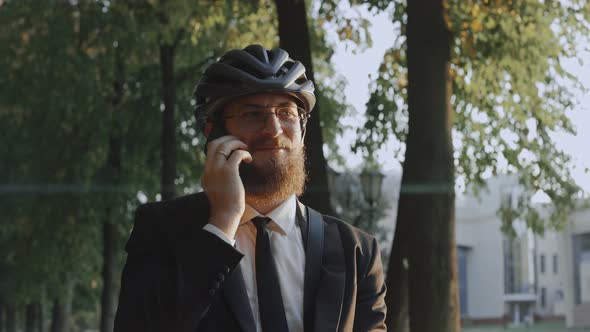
(221, 180)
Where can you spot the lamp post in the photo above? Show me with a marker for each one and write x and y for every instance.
(342, 194)
(335, 186)
(371, 182)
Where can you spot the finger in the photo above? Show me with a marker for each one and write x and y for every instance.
(212, 146)
(238, 156)
(229, 146)
(212, 156)
(224, 150)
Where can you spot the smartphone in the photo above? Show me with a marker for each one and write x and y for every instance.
(216, 131)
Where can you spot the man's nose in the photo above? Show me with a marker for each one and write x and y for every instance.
(272, 126)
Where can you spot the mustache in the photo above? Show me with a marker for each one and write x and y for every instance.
(268, 143)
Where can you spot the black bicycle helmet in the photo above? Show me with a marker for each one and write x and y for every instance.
(251, 70)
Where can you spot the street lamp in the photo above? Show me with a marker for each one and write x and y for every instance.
(334, 184)
(371, 182)
(341, 194)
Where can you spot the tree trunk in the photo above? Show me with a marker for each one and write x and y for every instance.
(107, 303)
(2, 315)
(429, 173)
(40, 317)
(168, 137)
(10, 318)
(396, 297)
(113, 176)
(30, 317)
(58, 317)
(61, 312)
(294, 38)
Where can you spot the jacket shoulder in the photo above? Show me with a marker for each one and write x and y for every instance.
(155, 221)
(182, 204)
(348, 231)
(361, 247)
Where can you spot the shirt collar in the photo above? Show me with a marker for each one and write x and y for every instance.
(283, 216)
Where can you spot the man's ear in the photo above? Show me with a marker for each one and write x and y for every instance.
(207, 129)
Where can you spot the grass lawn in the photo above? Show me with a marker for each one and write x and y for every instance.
(539, 327)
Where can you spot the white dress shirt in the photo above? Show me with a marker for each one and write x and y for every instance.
(289, 255)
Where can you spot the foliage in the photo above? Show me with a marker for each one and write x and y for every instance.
(55, 145)
(351, 27)
(61, 66)
(330, 85)
(75, 76)
(510, 92)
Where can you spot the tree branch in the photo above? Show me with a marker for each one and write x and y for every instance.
(187, 72)
(181, 31)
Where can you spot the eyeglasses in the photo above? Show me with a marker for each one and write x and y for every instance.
(253, 117)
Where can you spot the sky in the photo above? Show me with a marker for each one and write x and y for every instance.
(356, 68)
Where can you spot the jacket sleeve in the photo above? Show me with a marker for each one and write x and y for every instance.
(370, 303)
(166, 291)
(135, 311)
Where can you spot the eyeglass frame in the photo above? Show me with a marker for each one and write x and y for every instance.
(302, 114)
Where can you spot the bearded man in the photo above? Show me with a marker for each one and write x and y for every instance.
(245, 254)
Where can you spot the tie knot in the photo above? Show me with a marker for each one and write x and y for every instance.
(260, 222)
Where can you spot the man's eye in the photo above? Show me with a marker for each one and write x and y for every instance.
(287, 113)
(253, 115)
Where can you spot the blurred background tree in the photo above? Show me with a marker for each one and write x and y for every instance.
(509, 93)
(97, 96)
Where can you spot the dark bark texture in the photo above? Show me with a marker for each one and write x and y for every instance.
(30, 317)
(61, 311)
(2, 315)
(113, 176)
(396, 298)
(59, 319)
(108, 296)
(168, 135)
(10, 318)
(294, 38)
(428, 181)
(39, 326)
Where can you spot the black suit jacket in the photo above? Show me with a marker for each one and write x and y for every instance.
(179, 277)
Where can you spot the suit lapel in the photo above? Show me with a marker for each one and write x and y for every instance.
(235, 294)
(330, 295)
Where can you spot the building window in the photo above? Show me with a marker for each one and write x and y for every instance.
(462, 269)
(555, 266)
(558, 295)
(542, 264)
(581, 244)
(512, 266)
(543, 297)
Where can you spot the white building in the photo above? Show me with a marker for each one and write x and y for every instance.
(496, 276)
(529, 276)
(521, 279)
(551, 275)
(574, 243)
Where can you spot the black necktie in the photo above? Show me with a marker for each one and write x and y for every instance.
(270, 302)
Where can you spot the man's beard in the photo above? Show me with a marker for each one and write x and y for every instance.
(278, 177)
